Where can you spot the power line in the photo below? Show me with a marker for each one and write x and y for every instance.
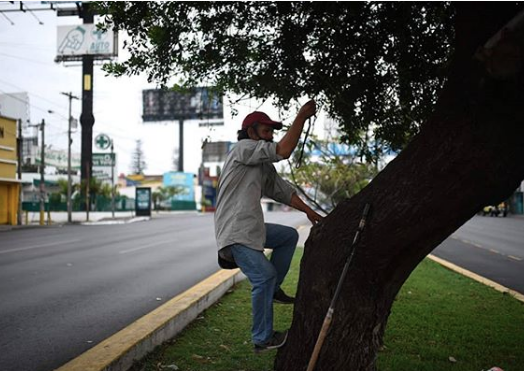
(33, 105)
(28, 60)
(8, 19)
(33, 14)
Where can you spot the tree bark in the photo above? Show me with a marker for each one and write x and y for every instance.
(467, 155)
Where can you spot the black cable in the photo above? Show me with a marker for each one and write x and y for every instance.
(299, 162)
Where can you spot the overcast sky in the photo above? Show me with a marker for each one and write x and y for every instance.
(27, 53)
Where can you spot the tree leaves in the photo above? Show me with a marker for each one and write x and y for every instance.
(374, 66)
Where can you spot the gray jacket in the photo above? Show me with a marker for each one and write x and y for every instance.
(247, 176)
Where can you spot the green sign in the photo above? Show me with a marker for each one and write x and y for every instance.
(103, 159)
(102, 141)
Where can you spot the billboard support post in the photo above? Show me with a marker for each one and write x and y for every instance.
(87, 120)
(181, 145)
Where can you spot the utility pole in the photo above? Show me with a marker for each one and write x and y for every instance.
(20, 155)
(42, 177)
(112, 180)
(69, 201)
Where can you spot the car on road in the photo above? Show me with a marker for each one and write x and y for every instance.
(500, 209)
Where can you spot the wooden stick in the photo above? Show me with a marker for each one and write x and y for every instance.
(329, 315)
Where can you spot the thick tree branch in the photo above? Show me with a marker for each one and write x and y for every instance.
(502, 55)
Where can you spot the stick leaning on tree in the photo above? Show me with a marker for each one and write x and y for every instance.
(329, 315)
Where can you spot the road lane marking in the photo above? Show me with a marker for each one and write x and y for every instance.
(517, 295)
(143, 247)
(515, 258)
(38, 246)
(477, 245)
(494, 251)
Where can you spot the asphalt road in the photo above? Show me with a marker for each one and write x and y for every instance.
(65, 289)
(492, 247)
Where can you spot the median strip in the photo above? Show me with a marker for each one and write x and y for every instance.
(477, 277)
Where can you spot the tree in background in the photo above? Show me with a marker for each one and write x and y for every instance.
(139, 163)
(162, 194)
(329, 174)
(437, 80)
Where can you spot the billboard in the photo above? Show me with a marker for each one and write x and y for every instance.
(143, 201)
(58, 158)
(75, 41)
(183, 180)
(168, 105)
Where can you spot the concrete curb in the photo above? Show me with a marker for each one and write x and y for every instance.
(118, 352)
(477, 277)
(118, 221)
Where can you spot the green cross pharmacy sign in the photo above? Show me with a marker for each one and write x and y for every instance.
(102, 141)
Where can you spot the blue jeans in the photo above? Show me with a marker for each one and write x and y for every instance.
(265, 275)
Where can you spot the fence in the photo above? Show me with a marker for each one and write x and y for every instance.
(102, 203)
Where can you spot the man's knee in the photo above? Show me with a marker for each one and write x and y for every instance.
(270, 274)
(294, 236)
(291, 235)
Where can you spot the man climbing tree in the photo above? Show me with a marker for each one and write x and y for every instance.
(442, 81)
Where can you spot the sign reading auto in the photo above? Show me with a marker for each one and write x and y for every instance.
(85, 39)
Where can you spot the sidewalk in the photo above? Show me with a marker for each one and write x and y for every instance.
(80, 217)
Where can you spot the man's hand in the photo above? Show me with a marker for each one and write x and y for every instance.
(307, 110)
(298, 204)
(314, 217)
(290, 140)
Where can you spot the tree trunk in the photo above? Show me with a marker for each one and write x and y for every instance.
(467, 155)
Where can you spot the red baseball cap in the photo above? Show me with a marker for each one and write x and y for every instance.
(258, 117)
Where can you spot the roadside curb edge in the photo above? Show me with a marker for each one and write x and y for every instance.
(477, 277)
(119, 351)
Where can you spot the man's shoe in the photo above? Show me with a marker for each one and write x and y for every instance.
(277, 340)
(281, 298)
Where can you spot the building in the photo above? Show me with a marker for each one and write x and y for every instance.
(9, 184)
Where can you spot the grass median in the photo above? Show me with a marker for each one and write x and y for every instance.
(440, 321)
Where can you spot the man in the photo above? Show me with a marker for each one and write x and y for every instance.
(241, 233)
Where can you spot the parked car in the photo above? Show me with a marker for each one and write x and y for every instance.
(500, 209)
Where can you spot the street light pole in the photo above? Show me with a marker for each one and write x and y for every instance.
(69, 201)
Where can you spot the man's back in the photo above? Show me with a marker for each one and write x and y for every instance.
(247, 173)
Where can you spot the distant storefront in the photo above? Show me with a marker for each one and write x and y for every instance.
(9, 185)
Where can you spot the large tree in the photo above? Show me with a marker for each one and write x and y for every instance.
(428, 75)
